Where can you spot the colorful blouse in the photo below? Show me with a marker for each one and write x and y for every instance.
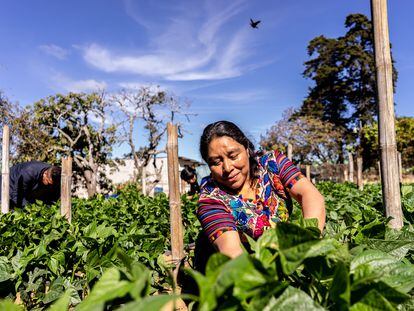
(219, 211)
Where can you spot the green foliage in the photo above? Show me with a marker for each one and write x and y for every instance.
(404, 130)
(42, 256)
(313, 140)
(343, 70)
(77, 126)
(109, 257)
(359, 264)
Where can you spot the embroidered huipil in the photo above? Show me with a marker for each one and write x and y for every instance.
(219, 211)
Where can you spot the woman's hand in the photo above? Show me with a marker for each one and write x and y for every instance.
(311, 201)
(229, 244)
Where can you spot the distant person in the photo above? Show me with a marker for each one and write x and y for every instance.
(31, 181)
(189, 175)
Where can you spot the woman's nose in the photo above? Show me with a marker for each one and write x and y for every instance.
(226, 166)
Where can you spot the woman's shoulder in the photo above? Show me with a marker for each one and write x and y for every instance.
(211, 193)
(270, 159)
(207, 184)
(208, 189)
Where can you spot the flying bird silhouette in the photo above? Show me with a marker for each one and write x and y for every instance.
(254, 24)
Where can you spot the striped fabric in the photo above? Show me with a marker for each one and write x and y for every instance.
(219, 211)
(215, 219)
(289, 174)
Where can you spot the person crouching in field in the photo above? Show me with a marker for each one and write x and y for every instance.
(31, 181)
(246, 192)
(189, 175)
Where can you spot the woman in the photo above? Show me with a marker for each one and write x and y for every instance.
(247, 192)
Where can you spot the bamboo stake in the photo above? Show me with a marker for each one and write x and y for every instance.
(360, 180)
(400, 170)
(379, 170)
(351, 167)
(144, 180)
(386, 125)
(289, 151)
(308, 172)
(66, 189)
(177, 242)
(5, 171)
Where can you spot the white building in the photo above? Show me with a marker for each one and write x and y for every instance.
(124, 173)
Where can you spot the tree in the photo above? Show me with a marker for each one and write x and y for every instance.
(405, 142)
(7, 114)
(7, 110)
(77, 125)
(154, 107)
(343, 70)
(312, 139)
(28, 140)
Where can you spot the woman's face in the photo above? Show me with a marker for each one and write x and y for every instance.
(229, 163)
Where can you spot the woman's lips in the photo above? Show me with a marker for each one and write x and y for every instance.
(233, 178)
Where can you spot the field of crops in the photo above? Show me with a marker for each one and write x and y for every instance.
(110, 257)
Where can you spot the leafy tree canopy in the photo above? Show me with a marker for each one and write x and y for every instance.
(312, 140)
(343, 72)
(405, 141)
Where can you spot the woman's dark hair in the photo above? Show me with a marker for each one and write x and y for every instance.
(227, 128)
(187, 173)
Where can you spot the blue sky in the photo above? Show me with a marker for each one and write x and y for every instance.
(202, 51)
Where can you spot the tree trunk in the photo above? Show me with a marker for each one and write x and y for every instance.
(144, 180)
(346, 175)
(91, 182)
(290, 152)
(351, 167)
(360, 181)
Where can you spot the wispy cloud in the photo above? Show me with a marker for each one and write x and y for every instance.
(185, 43)
(61, 81)
(131, 85)
(249, 96)
(54, 50)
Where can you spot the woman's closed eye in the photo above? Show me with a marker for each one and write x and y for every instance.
(215, 162)
(233, 156)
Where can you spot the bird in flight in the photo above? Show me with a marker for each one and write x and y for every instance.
(254, 24)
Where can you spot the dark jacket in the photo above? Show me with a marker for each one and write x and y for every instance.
(194, 188)
(26, 185)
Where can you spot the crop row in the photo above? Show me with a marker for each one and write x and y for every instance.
(111, 256)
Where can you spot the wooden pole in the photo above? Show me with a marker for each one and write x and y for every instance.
(351, 167)
(308, 172)
(400, 169)
(5, 171)
(289, 151)
(177, 237)
(379, 170)
(386, 125)
(144, 180)
(66, 189)
(360, 180)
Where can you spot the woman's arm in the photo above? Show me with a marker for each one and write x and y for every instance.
(219, 226)
(229, 244)
(310, 199)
